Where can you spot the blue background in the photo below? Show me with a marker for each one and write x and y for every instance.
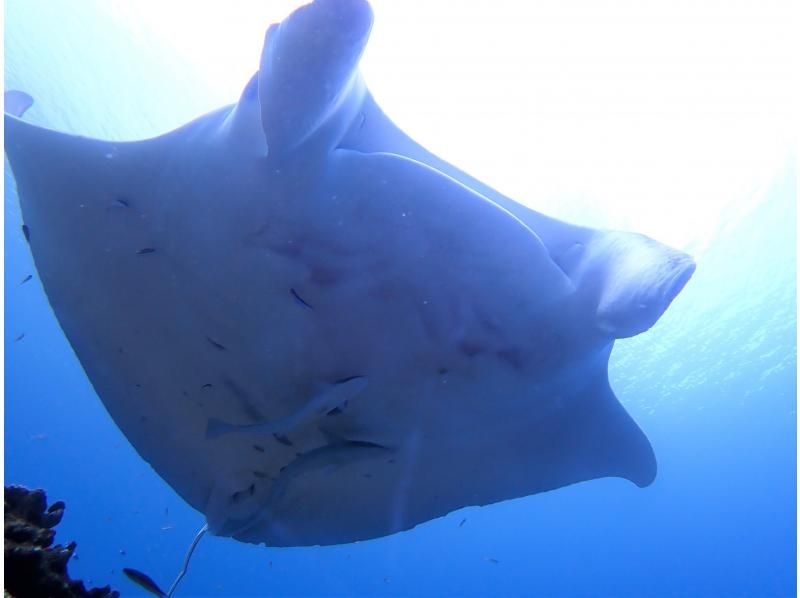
(713, 385)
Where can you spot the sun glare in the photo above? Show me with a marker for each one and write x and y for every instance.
(665, 117)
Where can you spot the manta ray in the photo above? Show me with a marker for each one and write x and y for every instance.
(318, 332)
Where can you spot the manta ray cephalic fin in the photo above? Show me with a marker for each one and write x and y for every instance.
(16, 102)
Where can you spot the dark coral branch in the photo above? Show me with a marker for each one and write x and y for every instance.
(33, 566)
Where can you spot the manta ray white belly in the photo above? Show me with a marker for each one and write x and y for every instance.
(316, 345)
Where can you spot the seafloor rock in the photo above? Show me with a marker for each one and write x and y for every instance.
(33, 566)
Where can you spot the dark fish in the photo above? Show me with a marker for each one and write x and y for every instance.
(260, 474)
(144, 581)
(26, 232)
(260, 449)
(26, 279)
(122, 201)
(219, 346)
(20, 337)
(145, 250)
(207, 386)
(343, 380)
(282, 439)
(299, 299)
(493, 561)
(463, 521)
(334, 411)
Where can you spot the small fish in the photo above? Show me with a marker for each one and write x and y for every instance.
(463, 521)
(493, 561)
(26, 232)
(39, 437)
(26, 279)
(282, 439)
(144, 582)
(145, 250)
(219, 346)
(19, 338)
(260, 449)
(299, 299)
(207, 386)
(122, 201)
(122, 551)
(165, 528)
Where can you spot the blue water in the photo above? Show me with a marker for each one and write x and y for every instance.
(713, 385)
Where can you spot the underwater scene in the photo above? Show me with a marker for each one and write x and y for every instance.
(351, 298)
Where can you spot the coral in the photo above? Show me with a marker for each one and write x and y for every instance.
(33, 566)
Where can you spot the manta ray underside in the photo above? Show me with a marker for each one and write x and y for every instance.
(318, 332)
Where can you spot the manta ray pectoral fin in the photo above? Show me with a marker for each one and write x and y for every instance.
(16, 102)
(371, 130)
(332, 396)
(308, 71)
(630, 279)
